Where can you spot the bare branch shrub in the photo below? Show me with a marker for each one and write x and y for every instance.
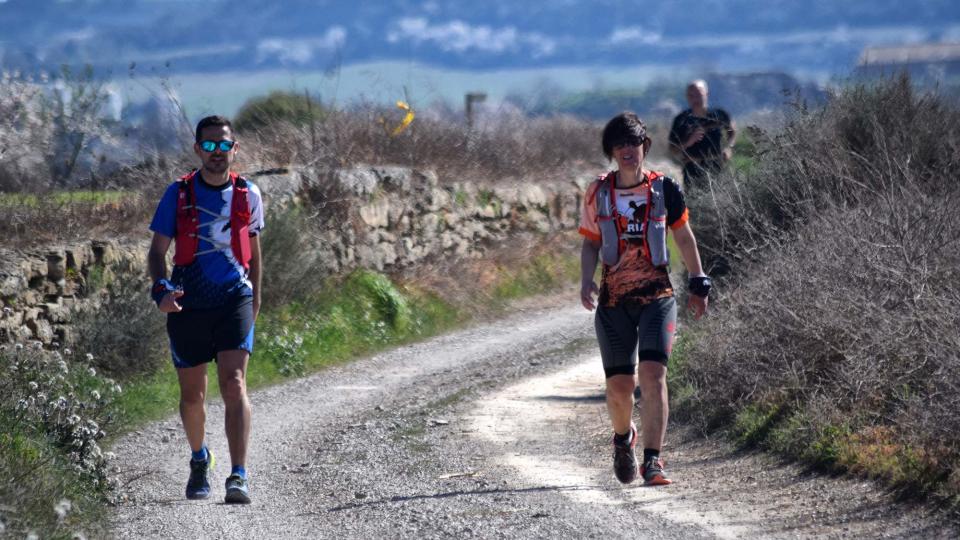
(844, 301)
(123, 330)
(510, 146)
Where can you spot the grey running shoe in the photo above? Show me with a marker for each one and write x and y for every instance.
(237, 490)
(625, 458)
(653, 474)
(198, 486)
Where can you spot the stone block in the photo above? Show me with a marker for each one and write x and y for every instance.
(56, 313)
(395, 178)
(104, 252)
(358, 180)
(41, 330)
(376, 213)
(56, 265)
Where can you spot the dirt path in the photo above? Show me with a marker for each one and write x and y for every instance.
(498, 431)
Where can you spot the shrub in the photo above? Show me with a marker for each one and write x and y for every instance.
(843, 301)
(279, 106)
(53, 411)
(123, 329)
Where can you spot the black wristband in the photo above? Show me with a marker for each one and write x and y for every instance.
(699, 286)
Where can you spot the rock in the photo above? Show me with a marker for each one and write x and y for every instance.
(376, 213)
(395, 178)
(359, 180)
(430, 225)
(104, 252)
(41, 330)
(11, 285)
(438, 199)
(280, 186)
(56, 312)
(77, 258)
(56, 266)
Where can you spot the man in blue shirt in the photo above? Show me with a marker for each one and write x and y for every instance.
(212, 297)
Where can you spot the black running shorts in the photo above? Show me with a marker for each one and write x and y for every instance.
(197, 335)
(631, 333)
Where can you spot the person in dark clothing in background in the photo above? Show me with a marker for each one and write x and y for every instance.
(701, 138)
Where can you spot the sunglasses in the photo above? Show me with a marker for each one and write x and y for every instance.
(629, 142)
(224, 145)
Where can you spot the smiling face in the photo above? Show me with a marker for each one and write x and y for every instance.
(629, 155)
(216, 162)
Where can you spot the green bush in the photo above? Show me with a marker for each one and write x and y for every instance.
(279, 107)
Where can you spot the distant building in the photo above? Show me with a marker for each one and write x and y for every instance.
(925, 63)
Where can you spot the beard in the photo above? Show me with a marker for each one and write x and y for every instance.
(216, 167)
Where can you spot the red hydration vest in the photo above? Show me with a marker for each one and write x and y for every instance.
(188, 221)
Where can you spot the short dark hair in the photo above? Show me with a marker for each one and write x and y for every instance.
(624, 127)
(214, 121)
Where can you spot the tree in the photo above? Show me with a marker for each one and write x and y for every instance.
(279, 106)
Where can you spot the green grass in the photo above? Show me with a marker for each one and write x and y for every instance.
(35, 467)
(544, 272)
(59, 198)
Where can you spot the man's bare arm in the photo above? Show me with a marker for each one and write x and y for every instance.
(157, 257)
(256, 267)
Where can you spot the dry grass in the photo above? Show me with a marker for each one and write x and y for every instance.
(842, 306)
(507, 147)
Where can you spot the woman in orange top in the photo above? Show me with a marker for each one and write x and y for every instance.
(636, 309)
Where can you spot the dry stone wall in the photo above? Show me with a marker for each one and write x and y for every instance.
(389, 218)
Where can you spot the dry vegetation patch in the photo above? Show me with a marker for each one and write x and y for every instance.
(835, 337)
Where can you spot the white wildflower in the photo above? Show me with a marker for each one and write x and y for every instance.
(117, 389)
(73, 420)
(91, 371)
(38, 345)
(7, 310)
(62, 508)
(63, 367)
(18, 346)
(41, 397)
(110, 456)
(78, 536)
(32, 385)
(32, 535)
(95, 395)
(22, 405)
(55, 345)
(92, 426)
(67, 351)
(89, 357)
(61, 403)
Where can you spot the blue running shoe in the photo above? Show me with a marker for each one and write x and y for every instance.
(198, 486)
(237, 490)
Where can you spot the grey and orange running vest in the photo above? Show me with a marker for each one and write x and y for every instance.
(655, 219)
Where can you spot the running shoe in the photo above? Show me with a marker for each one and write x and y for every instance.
(653, 475)
(198, 486)
(625, 458)
(237, 490)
